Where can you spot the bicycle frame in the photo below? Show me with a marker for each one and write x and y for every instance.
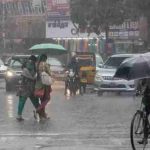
(139, 127)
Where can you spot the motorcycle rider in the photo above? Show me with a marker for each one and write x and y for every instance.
(74, 66)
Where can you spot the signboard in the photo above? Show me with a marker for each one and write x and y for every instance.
(128, 30)
(57, 9)
(59, 24)
(36, 3)
(63, 28)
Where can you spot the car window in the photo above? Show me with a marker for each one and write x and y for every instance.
(16, 61)
(15, 64)
(54, 62)
(114, 62)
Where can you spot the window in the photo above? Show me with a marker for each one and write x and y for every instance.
(54, 62)
(114, 61)
(15, 64)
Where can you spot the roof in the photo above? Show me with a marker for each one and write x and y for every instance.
(21, 56)
(125, 55)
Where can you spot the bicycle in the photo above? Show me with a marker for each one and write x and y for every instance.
(138, 127)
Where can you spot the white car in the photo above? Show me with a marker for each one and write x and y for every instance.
(104, 78)
(57, 68)
(3, 68)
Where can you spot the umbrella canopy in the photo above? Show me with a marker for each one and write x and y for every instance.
(48, 48)
(137, 67)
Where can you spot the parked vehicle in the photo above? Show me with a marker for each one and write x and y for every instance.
(57, 68)
(99, 60)
(3, 68)
(104, 80)
(14, 70)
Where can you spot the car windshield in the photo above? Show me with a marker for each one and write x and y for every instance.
(54, 62)
(99, 60)
(114, 62)
(15, 63)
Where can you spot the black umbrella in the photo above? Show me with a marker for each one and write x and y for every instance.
(137, 67)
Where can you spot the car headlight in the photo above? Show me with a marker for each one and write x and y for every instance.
(9, 73)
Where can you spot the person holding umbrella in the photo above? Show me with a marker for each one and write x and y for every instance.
(42, 66)
(26, 86)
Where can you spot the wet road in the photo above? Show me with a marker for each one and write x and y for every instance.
(85, 122)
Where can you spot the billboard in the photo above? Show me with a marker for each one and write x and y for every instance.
(57, 9)
(59, 24)
(127, 30)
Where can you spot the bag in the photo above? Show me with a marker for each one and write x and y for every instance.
(46, 79)
(39, 92)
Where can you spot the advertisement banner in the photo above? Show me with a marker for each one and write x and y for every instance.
(127, 30)
(57, 9)
(64, 28)
(59, 24)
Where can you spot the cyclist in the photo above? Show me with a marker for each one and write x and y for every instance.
(144, 87)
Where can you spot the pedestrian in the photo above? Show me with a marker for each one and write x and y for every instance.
(27, 85)
(42, 66)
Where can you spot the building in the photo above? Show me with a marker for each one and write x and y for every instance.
(30, 21)
(21, 19)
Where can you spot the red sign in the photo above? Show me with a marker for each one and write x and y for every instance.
(59, 7)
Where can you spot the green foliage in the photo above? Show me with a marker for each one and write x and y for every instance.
(97, 15)
(140, 8)
(143, 6)
(137, 8)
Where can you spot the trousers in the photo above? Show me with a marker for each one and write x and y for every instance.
(22, 101)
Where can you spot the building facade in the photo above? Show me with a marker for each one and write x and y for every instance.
(24, 21)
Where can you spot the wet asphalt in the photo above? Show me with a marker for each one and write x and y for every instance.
(85, 122)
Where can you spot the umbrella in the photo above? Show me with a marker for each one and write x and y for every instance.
(48, 48)
(137, 67)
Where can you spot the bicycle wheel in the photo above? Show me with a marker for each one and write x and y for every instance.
(137, 131)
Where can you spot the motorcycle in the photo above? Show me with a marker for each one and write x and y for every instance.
(71, 82)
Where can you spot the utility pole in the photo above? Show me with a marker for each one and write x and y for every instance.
(3, 24)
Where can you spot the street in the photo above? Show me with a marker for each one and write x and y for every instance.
(85, 122)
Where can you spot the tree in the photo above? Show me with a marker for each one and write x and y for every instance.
(97, 15)
(141, 8)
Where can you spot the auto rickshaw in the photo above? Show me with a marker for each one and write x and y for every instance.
(87, 65)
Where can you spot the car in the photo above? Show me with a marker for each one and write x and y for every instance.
(14, 70)
(57, 68)
(3, 68)
(99, 60)
(104, 78)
